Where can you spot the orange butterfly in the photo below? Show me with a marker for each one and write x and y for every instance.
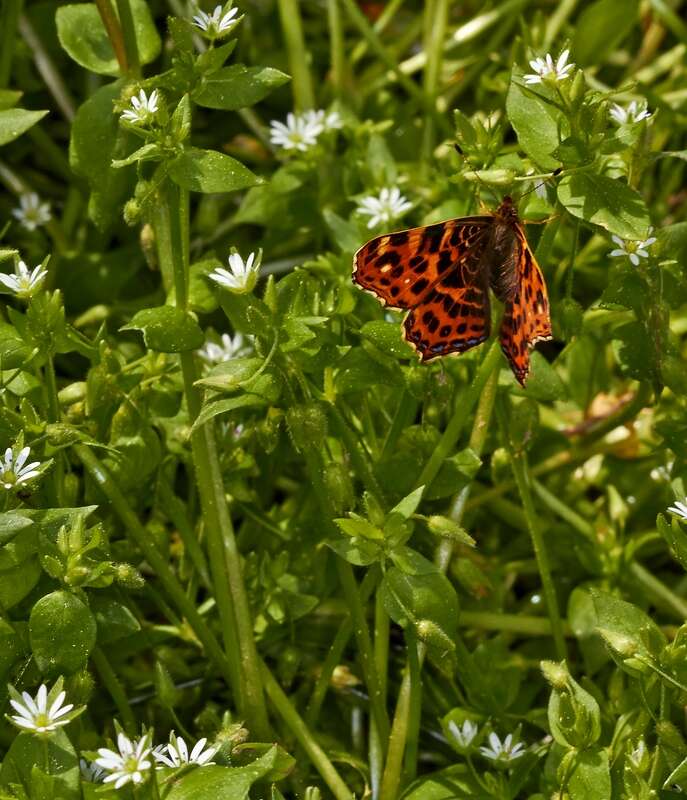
(442, 274)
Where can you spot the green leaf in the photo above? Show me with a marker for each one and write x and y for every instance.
(453, 783)
(14, 352)
(216, 407)
(345, 234)
(167, 329)
(62, 632)
(28, 751)
(237, 86)
(12, 524)
(445, 527)
(209, 171)
(591, 776)
(411, 562)
(223, 783)
(17, 581)
(387, 336)
(357, 551)
(9, 98)
(600, 28)
(15, 121)
(357, 526)
(606, 202)
(408, 506)
(82, 34)
(410, 599)
(627, 629)
(574, 715)
(114, 620)
(544, 383)
(539, 124)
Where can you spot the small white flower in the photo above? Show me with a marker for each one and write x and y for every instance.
(633, 113)
(24, 282)
(241, 275)
(231, 347)
(328, 121)
(90, 771)
(143, 108)
(465, 735)
(215, 24)
(129, 764)
(679, 509)
(502, 751)
(633, 250)
(32, 213)
(546, 69)
(385, 208)
(34, 714)
(176, 753)
(14, 470)
(300, 131)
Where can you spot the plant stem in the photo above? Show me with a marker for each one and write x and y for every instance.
(111, 682)
(381, 655)
(397, 741)
(141, 538)
(415, 705)
(225, 559)
(126, 20)
(436, 19)
(9, 18)
(54, 416)
(305, 738)
(114, 33)
(337, 54)
(524, 483)
(292, 28)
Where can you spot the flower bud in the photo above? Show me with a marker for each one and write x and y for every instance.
(132, 212)
(167, 693)
(128, 576)
(307, 425)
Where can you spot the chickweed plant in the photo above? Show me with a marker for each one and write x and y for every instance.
(251, 546)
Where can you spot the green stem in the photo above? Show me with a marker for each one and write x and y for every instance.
(524, 484)
(337, 54)
(292, 28)
(305, 738)
(397, 741)
(381, 655)
(111, 682)
(658, 591)
(176, 512)
(436, 20)
(9, 19)
(141, 538)
(53, 404)
(509, 623)
(114, 33)
(557, 19)
(415, 705)
(388, 13)
(126, 20)
(225, 559)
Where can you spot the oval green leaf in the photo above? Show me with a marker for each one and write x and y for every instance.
(238, 86)
(209, 171)
(167, 329)
(15, 121)
(62, 632)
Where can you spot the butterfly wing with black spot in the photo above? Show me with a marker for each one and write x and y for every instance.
(401, 269)
(526, 318)
(454, 316)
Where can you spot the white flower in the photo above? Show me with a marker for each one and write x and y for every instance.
(502, 751)
(385, 208)
(24, 282)
(231, 347)
(633, 250)
(328, 121)
(90, 771)
(143, 108)
(679, 509)
(14, 470)
(176, 753)
(35, 715)
(299, 133)
(545, 69)
(633, 113)
(129, 764)
(215, 24)
(241, 275)
(463, 736)
(32, 213)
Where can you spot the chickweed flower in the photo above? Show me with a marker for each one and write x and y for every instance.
(502, 751)
(129, 763)
(300, 132)
(328, 121)
(632, 250)
(43, 713)
(32, 212)
(386, 207)
(465, 735)
(548, 70)
(633, 113)
(230, 347)
(143, 108)
(679, 509)
(14, 470)
(24, 282)
(241, 275)
(215, 24)
(176, 753)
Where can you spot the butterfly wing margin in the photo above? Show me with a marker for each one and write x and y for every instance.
(526, 318)
(401, 269)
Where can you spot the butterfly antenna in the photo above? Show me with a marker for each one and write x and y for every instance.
(543, 182)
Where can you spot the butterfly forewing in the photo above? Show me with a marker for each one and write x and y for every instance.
(402, 268)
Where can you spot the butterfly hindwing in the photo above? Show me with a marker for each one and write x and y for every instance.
(526, 319)
(402, 268)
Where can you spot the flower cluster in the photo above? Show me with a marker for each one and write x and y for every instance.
(301, 131)
(384, 208)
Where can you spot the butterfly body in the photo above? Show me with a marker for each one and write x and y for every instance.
(442, 274)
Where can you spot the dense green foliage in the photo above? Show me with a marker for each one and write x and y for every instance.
(249, 514)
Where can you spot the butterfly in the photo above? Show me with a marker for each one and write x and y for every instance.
(441, 275)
